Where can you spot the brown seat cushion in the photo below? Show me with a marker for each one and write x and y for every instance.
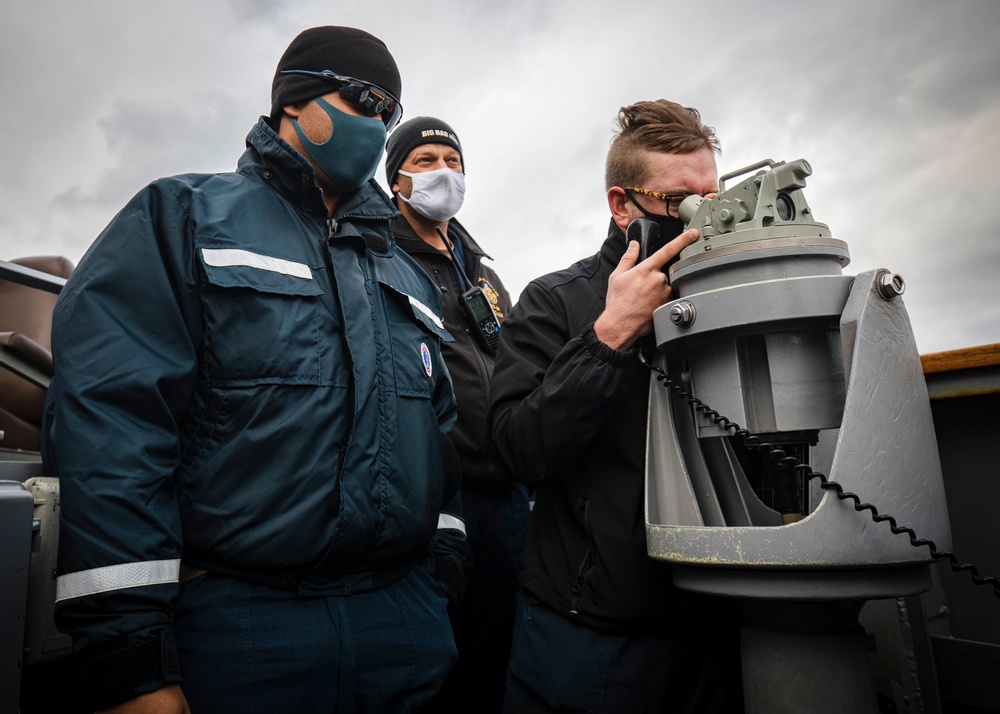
(26, 327)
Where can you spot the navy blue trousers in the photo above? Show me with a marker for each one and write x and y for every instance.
(254, 650)
(495, 526)
(559, 666)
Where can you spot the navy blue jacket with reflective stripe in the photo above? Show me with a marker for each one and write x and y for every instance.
(249, 386)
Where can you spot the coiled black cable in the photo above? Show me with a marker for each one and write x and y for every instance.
(776, 453)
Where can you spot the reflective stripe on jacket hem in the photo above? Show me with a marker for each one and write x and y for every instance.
(116, 577)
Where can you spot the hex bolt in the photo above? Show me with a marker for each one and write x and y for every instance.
(682, 314)
(889, 285)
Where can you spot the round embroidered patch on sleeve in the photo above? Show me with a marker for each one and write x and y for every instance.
(425, 356)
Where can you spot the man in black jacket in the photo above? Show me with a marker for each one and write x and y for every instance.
(600, 626)
(425, 170)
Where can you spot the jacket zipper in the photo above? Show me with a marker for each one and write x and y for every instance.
(588, 557)
(331, 229)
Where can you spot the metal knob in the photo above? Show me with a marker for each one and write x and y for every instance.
(889, 285)
(682, 314)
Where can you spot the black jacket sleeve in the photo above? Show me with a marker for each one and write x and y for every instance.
(555, 385)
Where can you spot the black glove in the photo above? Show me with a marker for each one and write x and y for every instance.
(449, 551)
(451, 559)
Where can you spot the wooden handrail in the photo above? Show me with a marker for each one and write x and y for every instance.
(966, 358)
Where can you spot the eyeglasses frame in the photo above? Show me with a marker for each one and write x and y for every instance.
(667, 198)
(378, 109)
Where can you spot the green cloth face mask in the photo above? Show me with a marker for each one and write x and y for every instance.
(350, 156)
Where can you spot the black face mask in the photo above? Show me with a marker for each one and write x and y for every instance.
(670, 227)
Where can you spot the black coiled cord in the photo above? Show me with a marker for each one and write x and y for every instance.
(751, 441)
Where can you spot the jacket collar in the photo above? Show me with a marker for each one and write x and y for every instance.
(412, 243)
(614, 246)
(272, 161)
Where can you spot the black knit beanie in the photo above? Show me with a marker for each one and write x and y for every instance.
(413, 133)
(345, 50)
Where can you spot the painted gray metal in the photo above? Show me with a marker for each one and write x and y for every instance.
(15, 550)
(764, 353)
(756, 261)
(972, 382)
(886, 452)
(42, 641)
(31, 277)
(819, 673)
(764, 305)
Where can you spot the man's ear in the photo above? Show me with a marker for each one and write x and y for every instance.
(619, 206)
(293, 110)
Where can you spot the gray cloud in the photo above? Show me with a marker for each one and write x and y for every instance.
(895, 103)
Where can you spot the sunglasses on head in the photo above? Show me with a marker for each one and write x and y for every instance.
(371, 99)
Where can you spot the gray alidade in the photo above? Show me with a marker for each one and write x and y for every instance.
(767, 330)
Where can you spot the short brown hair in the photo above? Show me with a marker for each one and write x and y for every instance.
(660, 125)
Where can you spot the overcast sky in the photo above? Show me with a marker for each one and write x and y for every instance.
(895, 103)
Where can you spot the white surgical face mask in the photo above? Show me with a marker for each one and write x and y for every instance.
(437, 194)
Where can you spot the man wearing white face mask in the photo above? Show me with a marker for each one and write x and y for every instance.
(425, 170)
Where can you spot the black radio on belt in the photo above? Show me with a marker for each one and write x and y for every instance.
(478, 311)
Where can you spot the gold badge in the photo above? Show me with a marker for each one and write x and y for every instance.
(492, 294)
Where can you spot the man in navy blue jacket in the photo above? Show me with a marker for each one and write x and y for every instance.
(251, 410)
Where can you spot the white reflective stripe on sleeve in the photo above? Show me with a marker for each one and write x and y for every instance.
(228, 257)
(427, 311)
(116, 577)
(446, 520)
